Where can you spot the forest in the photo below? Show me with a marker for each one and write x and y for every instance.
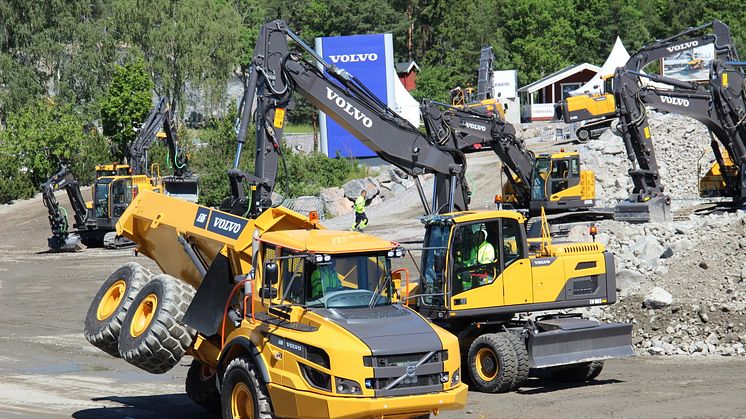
(77, 77)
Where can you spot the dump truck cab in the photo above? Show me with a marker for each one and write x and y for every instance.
(479, 273)
(327, 309)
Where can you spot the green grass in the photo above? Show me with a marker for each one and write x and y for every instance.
(298, 129)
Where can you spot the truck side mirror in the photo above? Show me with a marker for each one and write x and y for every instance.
(270, 274)
(439, 262)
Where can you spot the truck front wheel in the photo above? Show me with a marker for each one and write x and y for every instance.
(493, 365)
(243, 394)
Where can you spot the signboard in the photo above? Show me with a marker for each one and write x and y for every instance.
(370, 58)
(504, 83)
(690, 65)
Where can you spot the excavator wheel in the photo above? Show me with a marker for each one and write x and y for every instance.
(583, 372)
(493, 365)
(244, 395)
(152, 336)
(201, 386)
(109, 307)
(521, 356)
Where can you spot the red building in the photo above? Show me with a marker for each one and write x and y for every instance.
(407, 73)
(539, 97)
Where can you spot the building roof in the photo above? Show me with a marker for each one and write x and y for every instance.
(406, 67)
(557, 76)
(327, 241)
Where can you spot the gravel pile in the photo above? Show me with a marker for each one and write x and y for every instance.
(682, 149)
(681, 283)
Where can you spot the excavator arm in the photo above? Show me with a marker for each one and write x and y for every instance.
(160, 117)
(276, 73)
(63, 179)
(648, 202)
(473, 131)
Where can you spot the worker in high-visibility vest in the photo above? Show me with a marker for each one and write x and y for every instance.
(485, 251)
(361, 220)
(323, 279)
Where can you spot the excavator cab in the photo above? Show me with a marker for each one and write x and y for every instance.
(113, 169)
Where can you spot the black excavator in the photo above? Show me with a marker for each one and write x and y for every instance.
(114, 188)
(477, 301)
(718, 104)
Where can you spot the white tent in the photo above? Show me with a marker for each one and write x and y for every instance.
(405, 105)
(617, 58)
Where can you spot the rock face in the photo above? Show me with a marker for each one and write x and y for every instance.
(658, 298)
(353, 188)
(335, 203)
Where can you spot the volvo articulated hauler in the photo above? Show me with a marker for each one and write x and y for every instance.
(284, 317)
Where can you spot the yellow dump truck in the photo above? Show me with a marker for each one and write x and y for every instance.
(282, 317)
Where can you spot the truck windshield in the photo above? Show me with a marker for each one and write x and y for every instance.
(436, 240)
(349, 281)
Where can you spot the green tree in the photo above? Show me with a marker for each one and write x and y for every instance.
(125, 105)
(186, 43)
(44, 134)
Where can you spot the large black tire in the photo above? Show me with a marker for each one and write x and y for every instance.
(243, 390)
(201, 386)
(521, 356)
(579, 373)
(109, 307)
(152, 336)
(492, 363)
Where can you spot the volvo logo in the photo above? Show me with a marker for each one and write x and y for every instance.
(411, 371)
(685, 45)
(348, 107)
(354, 58)
(474, 126)
(226, 225)
(678, 101)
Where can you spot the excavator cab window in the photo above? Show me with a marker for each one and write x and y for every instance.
(475, 262)
(511, 234)
(121, 195)
(560, 176)
(101, 197)
(539, 178)
(436, 240)
(292, 276)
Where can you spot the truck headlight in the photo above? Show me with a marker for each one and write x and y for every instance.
(456, 378)
(345, 386)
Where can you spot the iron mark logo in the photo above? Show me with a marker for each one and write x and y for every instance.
(200, 220)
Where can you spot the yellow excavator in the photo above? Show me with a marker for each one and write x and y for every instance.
(115, 186)
(595, 110)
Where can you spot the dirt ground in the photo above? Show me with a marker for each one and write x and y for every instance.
(47, 369)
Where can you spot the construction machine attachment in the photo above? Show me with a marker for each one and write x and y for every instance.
(571, 340)
(656, 209)
(186, 188)
(71, 243)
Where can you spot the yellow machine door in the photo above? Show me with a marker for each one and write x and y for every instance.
(517, 280)
(564, 178)
(475, 280)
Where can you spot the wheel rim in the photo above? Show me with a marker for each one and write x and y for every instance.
(206, 372)
(143, 315)
(242, 404)
(111, 299)
(487, 365)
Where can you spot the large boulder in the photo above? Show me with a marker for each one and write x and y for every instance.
(629, 282)
(353, 188)
(335, 202)
(658, 298)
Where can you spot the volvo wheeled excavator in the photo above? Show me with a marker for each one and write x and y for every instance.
(473, 293)
(114, 188)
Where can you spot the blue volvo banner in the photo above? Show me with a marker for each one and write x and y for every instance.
(370, 58)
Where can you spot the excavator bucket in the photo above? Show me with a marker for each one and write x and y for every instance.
(186, 188)
(72, 243)
(564, 341)
(656, 210)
